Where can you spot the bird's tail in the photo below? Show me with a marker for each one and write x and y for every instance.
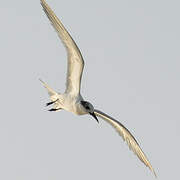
(53, 94)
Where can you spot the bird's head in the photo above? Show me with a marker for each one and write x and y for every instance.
(88, 107)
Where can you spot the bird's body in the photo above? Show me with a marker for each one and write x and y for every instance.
(71, 100)
(73, 104)
(66, 101)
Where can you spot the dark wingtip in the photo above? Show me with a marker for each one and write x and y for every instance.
(49, 103)
(52, 109)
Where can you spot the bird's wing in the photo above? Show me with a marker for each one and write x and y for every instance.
(127, 136)
(75, 59)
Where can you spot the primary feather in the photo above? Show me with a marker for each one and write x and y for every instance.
(127, 136)
(75, 59)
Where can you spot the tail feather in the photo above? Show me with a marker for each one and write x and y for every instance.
(54, 96)
(51, 92)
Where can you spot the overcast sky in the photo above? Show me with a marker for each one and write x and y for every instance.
(132, 72)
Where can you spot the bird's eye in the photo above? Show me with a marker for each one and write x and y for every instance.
(87, 107)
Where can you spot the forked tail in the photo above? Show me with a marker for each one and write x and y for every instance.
(51, 92)
(54, 96)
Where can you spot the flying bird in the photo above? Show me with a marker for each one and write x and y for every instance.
(71, 100)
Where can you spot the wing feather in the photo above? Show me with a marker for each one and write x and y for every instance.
(75, 59)
(127, 136)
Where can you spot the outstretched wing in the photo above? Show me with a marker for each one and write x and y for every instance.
(127, 136)
(75, 59)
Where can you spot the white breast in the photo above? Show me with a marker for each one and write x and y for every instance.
(72, 104)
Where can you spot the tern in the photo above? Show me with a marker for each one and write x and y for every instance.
(71, 100)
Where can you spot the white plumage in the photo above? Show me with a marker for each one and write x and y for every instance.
(72, 100)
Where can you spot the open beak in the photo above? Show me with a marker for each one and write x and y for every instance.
(92, 114)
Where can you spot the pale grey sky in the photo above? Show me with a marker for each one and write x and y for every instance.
(131, 53)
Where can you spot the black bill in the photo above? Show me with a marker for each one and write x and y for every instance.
(92, 114)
